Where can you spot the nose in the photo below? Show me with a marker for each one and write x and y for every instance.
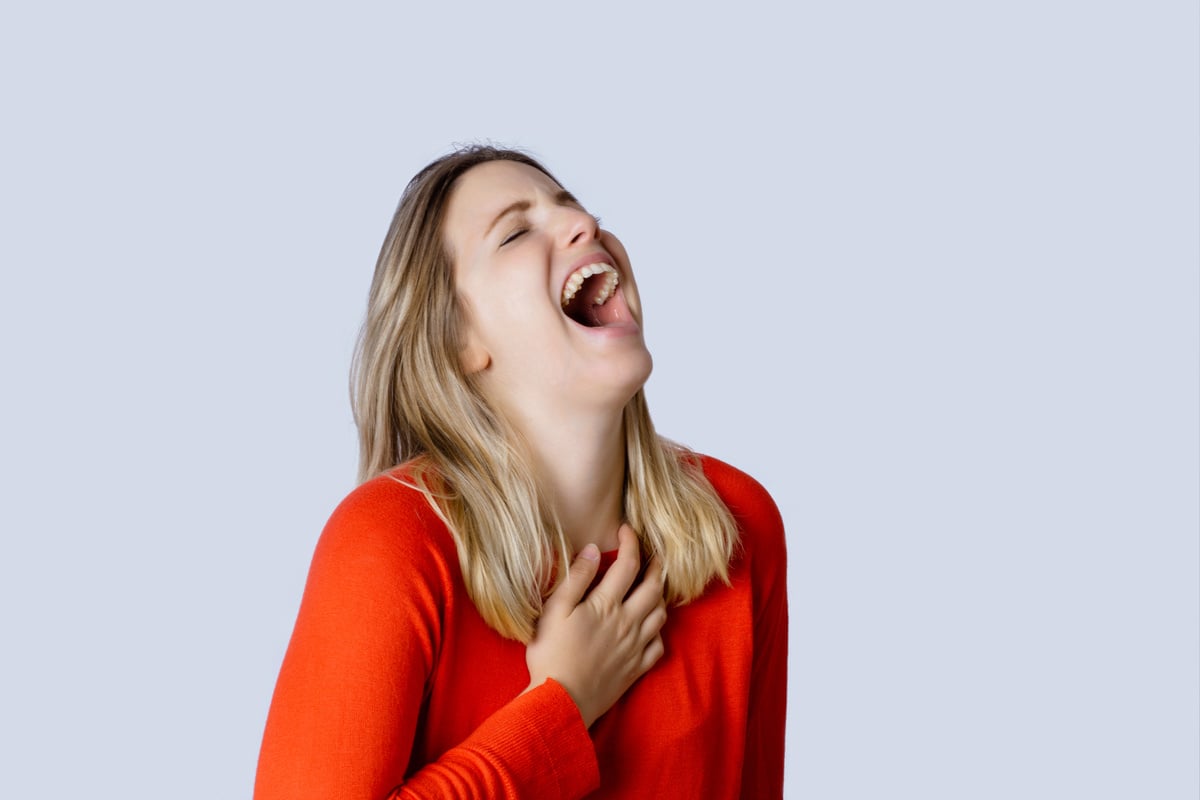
(578, 226)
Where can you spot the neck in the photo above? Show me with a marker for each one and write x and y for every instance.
(579, 461)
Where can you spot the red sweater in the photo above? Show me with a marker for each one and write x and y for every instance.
(393, 686)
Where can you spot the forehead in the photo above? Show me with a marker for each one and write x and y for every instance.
(483, 191)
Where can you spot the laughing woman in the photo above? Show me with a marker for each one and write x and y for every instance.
(531, 594)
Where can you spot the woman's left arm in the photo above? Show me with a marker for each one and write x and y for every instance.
(762, 768)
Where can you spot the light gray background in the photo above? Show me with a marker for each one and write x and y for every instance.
(928, 270)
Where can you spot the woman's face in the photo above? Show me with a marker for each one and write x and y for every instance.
(552, 311)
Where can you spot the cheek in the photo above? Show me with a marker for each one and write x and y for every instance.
(631, 292)
(629, 283)
(480, 315)
(613, 245)
(511, 317)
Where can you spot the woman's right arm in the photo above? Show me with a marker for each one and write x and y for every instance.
(349, 695)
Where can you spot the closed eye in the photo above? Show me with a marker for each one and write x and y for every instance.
(514, 235)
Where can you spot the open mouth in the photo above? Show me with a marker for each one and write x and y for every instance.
(586, 295)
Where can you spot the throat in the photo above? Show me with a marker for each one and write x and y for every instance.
(579, 460)
(586, 313)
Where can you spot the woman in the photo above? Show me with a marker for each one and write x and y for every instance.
(505, 444)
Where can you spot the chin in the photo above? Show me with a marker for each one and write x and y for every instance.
(622, 381)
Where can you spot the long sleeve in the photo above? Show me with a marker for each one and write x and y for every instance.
(762, 771)
(348, 703)
(762, 774)
(765, 546)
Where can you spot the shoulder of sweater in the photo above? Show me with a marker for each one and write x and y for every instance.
(388, 518)
(752, 506)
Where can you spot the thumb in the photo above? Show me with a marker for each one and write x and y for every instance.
(570, 590)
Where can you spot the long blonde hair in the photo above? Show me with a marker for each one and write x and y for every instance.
(414, 403)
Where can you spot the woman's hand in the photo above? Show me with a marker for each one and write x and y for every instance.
(598, 647)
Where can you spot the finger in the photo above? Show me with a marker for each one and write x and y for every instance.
(649, 593)
(654, 621)
(653, 652)
(570, 591)
(616, 582)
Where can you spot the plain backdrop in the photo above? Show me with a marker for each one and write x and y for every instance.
(928, 270)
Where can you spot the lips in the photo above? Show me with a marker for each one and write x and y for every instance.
(596, 277)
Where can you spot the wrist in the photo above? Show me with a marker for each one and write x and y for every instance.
(586, 712)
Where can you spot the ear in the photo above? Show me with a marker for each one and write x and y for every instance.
(474, 357)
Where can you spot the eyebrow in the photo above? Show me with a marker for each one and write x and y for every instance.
(562, 198)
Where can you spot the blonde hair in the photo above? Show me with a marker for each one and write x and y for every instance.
(414, 403)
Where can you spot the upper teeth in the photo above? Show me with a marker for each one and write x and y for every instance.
(583, 273)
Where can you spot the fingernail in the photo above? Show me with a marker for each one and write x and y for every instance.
(590, 552)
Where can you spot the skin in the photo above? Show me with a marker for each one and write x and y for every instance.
(564, 388)
(597, 646)
(561, 385)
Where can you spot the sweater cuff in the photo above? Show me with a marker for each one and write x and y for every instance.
(564, 763)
